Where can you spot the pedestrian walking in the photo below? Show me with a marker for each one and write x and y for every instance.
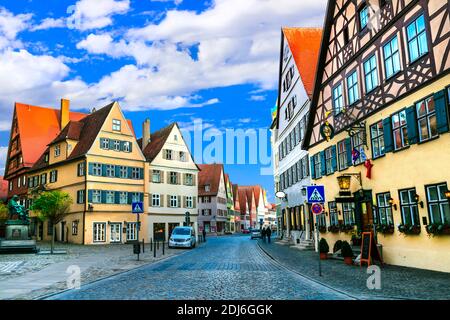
(204, 235)
(263, 234)
(268, 233)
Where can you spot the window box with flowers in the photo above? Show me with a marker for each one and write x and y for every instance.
(322, 229)
(346, 227)
(333, 229)
(409, 229)
(385, 228)
(435, 229)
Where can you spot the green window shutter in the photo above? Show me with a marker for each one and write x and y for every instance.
(117, 171)
(323, 168)
(313, 173)
(117, 197)
(121, 145)
(103, 170)
(90, 196)
(101, 142)
(411, 124)
(130, 171)
(388, 138)
(131, 146)
(441, 112)
(78, 196)
(130, 198)
(90, 168)
(111, 144)
(348, 148)
(141, 197)
(141, 173)
(334, 158)
(103, 196)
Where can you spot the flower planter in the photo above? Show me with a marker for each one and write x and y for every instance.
(323, 256)
(348, 261)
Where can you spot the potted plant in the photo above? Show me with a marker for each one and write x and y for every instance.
(337, 246)
(323, 249)
(409, 229)
(347, 253)
(385, 228)
(322, 229)
(437, 229)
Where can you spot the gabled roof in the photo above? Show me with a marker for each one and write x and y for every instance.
(250, 195)
(37, 127)
(3, 188)
(242, 195)
(236, 196)
(86, 130)
(305, 45)
(209, 174)
(320, 68)
(157, 141)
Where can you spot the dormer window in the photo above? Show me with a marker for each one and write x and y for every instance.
(46, 157)
(182, 156)
(116, 125)
(207, 188)
(167, 154)
(175, 137)
(57, 150)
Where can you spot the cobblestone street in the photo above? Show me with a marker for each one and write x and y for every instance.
(231, 267)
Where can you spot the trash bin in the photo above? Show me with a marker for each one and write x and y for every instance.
(137, 248)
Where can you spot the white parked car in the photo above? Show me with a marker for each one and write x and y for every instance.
(182, 237)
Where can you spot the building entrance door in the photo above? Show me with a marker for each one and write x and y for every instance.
(63, 228)
(364, 211)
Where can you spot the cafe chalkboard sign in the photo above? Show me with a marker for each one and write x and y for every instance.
(369, 249)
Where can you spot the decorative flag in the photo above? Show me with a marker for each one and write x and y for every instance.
(368, 166)
(363, 154)
(355, 155)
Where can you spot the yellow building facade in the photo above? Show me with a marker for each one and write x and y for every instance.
(98, 163)
(379, 120)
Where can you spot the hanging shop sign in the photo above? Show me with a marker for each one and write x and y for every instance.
(327, 131)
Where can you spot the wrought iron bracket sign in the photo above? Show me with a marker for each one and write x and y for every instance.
(356, 128)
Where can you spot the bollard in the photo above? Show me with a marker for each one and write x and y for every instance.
(143, 250)
(163, 247)
(157, 245)
(151, 244)
(154, 249)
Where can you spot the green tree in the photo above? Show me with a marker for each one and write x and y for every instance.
(4, 213)
(52, 206)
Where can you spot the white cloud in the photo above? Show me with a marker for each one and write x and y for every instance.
(176, 2)
(88, 14)
(10, 26)
(49, 23)
(257, 98)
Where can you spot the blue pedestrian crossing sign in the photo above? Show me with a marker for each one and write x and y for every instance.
(137, 207)
(316, 194)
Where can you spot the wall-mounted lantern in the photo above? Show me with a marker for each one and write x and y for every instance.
(391, 203)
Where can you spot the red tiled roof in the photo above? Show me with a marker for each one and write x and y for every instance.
(305, 46)
(242, 194)
(249, 192)
(3, 188)
(88, 128)
(37, 127)
(235, 188)
(209, 175)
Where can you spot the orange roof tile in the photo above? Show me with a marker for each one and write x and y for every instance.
(305, 46)
(209, 175)
(38, 126)
(3, 189)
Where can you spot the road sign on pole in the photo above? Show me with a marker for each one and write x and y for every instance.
(315, 194)
(137, 207)
(317, 208)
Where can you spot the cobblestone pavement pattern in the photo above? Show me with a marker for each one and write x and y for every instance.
(231, 268)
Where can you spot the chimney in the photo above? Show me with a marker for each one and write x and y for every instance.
(64, 113)
(145, 133)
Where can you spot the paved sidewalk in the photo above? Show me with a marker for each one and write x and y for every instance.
(95, 262)
(396, 282)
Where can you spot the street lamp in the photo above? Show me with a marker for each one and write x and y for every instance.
(281, 195)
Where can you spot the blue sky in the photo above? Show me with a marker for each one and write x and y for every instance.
(169, 60)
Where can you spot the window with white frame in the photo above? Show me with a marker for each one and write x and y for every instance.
(156, 176)
(168, 154)
(189, 202)
(135, 173)
(400, 130)
(123, 172)
(123, 197)
(173, 201)
(348, 211)
(156, 200)
(384, 216)
(438, 204)
(207, 188)
(338, 99)
(377, 138)
(417, 39)
(357, 143)
(371, 73)
(104, 143)
(342, 155)
(116, 125)
(329, 160)
(131, 231)
(96, 196)
(126, 146)
(334, 219)
(57, 150)
(182, 156)
(110, 170)
(109, 197)
(135, 197)
(317, 166)
(364, 17)
(74, 228)
(408, 207)
(96, 169)
(80, 196)
(116, 144)
(99, 232)
(391, 58)
(53, 176)
(352, 88)
(43, 179)
(173, 177)
(426, 118)
(81, 171)
(189, 179)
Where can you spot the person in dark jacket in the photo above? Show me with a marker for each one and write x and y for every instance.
(204, 234)
(263, 234)
(268, 233)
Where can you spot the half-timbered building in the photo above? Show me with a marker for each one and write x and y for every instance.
(378, 130)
